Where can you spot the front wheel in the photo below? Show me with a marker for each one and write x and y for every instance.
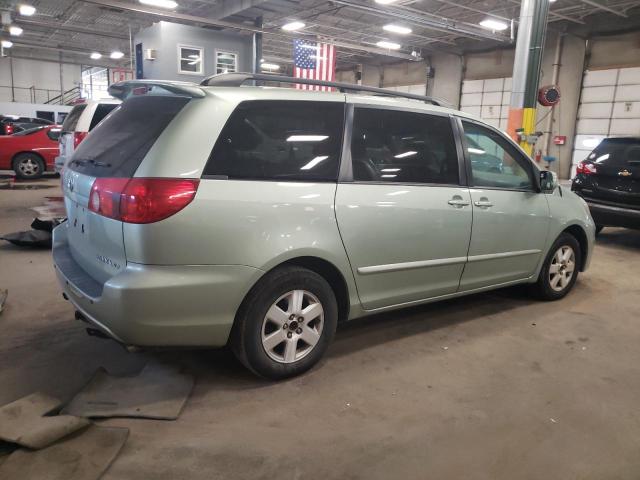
(286, 323)
(560, 269)
(28, 166)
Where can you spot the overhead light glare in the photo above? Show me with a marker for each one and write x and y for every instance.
(15, 30)
(307, 138)
(388, 45)
(169, 4)
(95, 56)
(269, 66)
(493, 24)
(26, 10)
(397, 29)
(410, 153)
(314, 162)
(386, 2)
(6, 44)
(293, 26)
(116, 55)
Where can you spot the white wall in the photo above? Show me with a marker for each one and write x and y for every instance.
(43, 76)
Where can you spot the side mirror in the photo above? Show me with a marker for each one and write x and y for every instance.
(548, 181)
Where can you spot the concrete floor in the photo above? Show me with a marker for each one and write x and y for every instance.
(494, 386)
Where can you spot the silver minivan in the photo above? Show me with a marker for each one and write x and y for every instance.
(261, 217)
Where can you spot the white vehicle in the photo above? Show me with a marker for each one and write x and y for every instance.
(80, 121)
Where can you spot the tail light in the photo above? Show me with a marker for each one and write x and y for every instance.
(78, 137)
(586, 168)
(141, 200)
(8, 129)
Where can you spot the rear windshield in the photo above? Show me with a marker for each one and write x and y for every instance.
(617, 152)
(116, 147)
(102, 111)
(71, 120)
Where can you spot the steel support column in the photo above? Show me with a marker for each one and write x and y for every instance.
(526, 69)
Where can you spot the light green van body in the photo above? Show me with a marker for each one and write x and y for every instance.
(180, 281)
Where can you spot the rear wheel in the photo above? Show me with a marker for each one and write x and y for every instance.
(28, 166)
(560, 269)
(285, 324)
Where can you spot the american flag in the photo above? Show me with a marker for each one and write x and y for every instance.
(316, 61)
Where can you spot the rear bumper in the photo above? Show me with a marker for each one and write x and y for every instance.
(610, 216)
(155, 305)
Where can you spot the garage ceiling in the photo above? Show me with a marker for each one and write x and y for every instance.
(74, 28)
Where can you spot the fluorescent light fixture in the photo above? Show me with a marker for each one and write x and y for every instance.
(397, 29)
(390, 169)
(477, 151)
(388, 45)
(293, 26)
(270, 66)
(307, 138)
(170, 4)
(385, 2)
(116, 54)
(6, 44)
(410, 153)
(388, 176)
(494, 24)
(95, 56)
(15, 30)
(26, 10)
(314, 162)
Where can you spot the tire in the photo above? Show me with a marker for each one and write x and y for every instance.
(555, 285)
(267, 337)
(28, 166)
(599, 228)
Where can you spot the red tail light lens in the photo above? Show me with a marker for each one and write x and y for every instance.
(8, 129)
(78, 137)
(141, 200)
(586, 168)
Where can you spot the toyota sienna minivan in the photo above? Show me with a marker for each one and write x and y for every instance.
(261, 217)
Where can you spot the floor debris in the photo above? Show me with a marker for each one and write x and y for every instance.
(38, 236)
(83, 455)
(158, 391)
(25, 421)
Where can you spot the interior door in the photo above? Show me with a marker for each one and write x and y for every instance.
(510, 217)
(404, 217)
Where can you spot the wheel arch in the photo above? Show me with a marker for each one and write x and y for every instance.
(581, 236)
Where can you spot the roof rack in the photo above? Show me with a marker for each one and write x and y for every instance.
(237, 79)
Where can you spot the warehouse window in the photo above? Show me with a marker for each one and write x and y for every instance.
(190, 60)
(226, 62)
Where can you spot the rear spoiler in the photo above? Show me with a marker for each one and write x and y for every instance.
(128, 88)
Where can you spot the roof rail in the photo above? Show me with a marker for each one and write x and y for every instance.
(124, 90)
(237, 79)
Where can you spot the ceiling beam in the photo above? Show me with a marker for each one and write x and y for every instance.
(67, 27)
(233, 7)
(605, 8)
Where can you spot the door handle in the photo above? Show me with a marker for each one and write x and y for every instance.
(458, 202)
(483, 203)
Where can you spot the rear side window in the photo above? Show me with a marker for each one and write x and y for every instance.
(102, 110)
(280, 140)
(617, 152)
(71, 120)
(116, 147)
(395, 146)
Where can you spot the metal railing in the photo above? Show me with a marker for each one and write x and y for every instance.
(66, 98)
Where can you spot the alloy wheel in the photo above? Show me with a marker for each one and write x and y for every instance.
(562, 268)
(28, 167)
(292, 326)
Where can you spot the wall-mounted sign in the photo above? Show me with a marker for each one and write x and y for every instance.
(560, 139)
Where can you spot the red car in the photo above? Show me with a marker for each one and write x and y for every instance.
(31, 152)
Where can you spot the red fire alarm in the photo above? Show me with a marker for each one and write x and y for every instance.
(560, 139)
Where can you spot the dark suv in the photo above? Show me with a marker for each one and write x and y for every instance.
(609, 181)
